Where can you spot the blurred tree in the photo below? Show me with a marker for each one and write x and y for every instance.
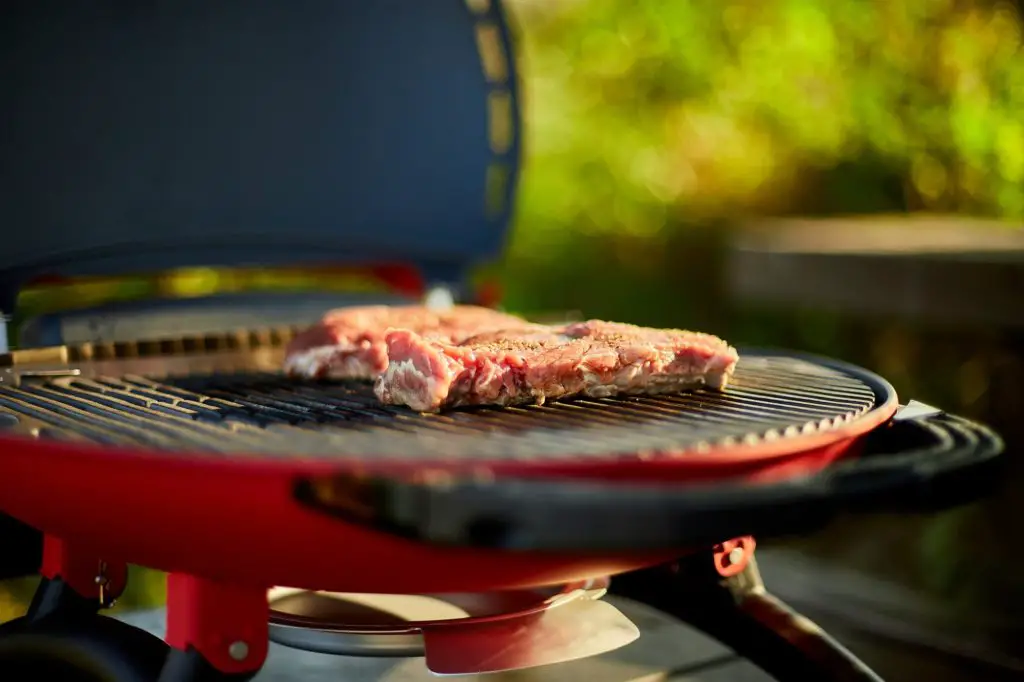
(639, 112)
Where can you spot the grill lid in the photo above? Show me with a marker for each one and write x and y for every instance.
(153, 136)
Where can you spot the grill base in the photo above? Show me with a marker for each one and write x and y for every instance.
(210, 638)
(458, 634)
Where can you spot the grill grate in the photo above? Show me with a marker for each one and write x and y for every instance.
(266, 414)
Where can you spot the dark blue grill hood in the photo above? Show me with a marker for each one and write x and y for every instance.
(142, 135)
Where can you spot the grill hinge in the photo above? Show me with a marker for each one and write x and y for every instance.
(916, 410)
(53, 355)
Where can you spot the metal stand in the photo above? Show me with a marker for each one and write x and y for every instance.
(64, 636)
(738, 612)
(56, 599)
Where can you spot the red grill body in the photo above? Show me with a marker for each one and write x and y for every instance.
(182, 502)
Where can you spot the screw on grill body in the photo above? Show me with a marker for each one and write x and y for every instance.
(439, 298)
(238, 651)
(102, 582)
(736, 555)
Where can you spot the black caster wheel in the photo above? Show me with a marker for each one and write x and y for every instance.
(96, 649)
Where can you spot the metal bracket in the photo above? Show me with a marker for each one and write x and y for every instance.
(9, 376)
(439, 297)
(4, 340)
(916, 410)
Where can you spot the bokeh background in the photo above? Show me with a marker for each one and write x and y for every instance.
(662, 134)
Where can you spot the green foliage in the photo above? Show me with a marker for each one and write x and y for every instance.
(639, 112)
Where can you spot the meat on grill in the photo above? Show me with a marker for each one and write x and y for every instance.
(537, 362)
(349, 342)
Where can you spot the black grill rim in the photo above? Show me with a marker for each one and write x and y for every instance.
(885, 404)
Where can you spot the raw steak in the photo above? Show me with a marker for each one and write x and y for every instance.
(349, 342)
(521, 365)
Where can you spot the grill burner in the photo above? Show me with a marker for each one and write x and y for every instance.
(440, 627)
(265, 414)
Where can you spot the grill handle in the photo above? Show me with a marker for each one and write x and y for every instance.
(922, 460)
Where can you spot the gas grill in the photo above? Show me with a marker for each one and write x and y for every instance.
(281, 134)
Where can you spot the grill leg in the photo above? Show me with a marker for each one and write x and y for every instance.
(75, 583)
(63, 636)
(739, 613)
(217, 632)
(87, 573)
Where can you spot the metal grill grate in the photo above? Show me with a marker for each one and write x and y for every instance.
(266, 414)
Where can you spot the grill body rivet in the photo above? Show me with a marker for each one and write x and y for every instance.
(736, 555)
(238, 651)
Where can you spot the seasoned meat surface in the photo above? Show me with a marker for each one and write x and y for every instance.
(533, 363)
(350, 342)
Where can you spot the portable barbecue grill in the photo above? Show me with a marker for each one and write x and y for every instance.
(146, 136)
